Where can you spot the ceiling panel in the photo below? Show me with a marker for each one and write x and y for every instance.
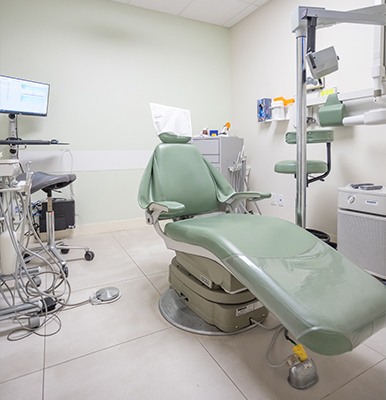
(219, 12)
(214, 11)
(167, 6)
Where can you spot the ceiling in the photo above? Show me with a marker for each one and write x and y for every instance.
(218, 12)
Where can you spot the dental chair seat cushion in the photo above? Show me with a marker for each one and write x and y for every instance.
(329, 304)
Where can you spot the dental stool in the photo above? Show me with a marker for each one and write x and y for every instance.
(323, 168)
(49, 183)
(325, 301)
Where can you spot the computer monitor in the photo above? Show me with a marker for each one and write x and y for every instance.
(23, 97)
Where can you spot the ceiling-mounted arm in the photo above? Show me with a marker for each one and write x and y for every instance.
(375, 15)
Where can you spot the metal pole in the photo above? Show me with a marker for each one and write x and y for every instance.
(301, 149)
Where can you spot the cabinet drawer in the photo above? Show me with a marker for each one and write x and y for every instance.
(207, 146)
(212, 158)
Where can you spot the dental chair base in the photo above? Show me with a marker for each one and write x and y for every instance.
(227, 312)
(209, 272)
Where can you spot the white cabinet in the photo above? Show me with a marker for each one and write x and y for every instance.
(220, 151)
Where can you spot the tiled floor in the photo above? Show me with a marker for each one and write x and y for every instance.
(126, 350)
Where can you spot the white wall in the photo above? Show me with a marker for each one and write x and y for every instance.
(263, 65)
(106, 62)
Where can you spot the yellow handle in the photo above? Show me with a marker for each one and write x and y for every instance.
(300, 352)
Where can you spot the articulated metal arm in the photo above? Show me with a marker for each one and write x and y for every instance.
(311, 18)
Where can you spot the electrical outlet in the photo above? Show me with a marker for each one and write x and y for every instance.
(280, 200)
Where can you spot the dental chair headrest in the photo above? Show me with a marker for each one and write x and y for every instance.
(170, 137)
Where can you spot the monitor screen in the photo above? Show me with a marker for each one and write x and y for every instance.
(21, 96)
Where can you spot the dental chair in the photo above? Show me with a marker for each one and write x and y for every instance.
(325, 301)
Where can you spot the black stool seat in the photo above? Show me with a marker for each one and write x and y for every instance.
(48, 182)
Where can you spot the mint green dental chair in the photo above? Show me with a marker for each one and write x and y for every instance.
(325, 301)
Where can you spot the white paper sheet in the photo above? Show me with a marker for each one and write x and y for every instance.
(171, 119)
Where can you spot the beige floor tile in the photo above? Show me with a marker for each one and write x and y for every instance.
(91, 328)
(378, 342)
(137, 238)
(147, 249)
(371, 385)
(19, 357)
(29, 387)
(154, 260)
(160, 281)
(166, 365)
(107, 267)
(97, 243)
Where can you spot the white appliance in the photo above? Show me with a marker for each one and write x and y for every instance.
(362, 227)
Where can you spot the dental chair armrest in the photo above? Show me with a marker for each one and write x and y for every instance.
(154, 210)
(236, 198)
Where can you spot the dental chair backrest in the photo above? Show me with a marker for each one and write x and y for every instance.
(177, 172)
